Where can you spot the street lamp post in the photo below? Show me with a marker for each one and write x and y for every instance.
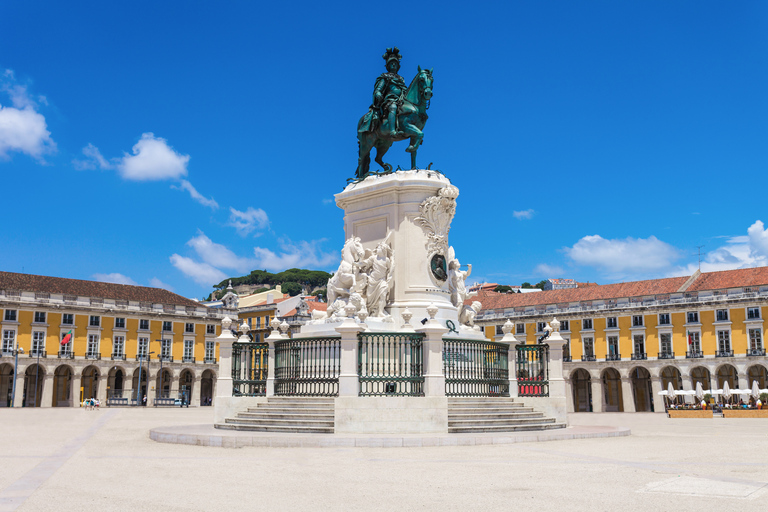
(16, 351)
(141, 360)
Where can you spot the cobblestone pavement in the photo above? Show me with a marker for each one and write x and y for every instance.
(72, 459)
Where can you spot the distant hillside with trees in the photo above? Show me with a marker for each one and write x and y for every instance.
(292, 281)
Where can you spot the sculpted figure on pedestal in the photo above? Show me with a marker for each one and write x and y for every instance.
(343, 282)
(379, 279)
(457, 284)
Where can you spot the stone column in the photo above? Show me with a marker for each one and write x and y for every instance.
(598, 396)
(75, 390)
(434, 378)
(626, 394)
(569, 396)
(47, 394)
(273, 338)
(101, 387)
(511, 341)
(556, 380)
(17, 397)
(224, 379)
(658, 400)
(349, 382)
(152, 391)
(196, 385)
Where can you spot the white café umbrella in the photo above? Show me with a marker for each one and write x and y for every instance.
(726, 391)
(699, 391)
(670, 391)
(755, 390)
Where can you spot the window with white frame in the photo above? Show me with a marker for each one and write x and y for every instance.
(210, 347)
(39, 317)
(693, 317)
(250, 322)
(611, 322)
(9, 340)
(143, 325)
(639, 343)
(118, 346)
(189, 349)
(586, 324)
(755, 339)
(165, 348)
(567, 349)
(520, 328)
(119, 323)
(666, 343)
(210, 329)
(753, 313)
(694, 341)
(637, 320)
(141, 351)
(721, 315)
(540, 326)
(10, 315)
(613, 345)
(167, 326)
(94, 321)
(93, 345)
(38, 342)
(724, 341)
(589, 346)
(664, 319)
(499, 330)
(189, 327)
(266, 321)
(68, 319)
(257, 337)
(565, 325)
(258, 322)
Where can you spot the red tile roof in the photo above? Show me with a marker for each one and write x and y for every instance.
(65, 286)
(730, 279)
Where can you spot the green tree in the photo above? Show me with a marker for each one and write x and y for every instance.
(291, 288)
(526, 285)
(540, 284)
(321, 293)
(503, 288)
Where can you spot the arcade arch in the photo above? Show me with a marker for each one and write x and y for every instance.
(727, 373)
(612, 391)
(206, 387)
(582, 390)
(34, 377)
(757, 373)
(641, 389)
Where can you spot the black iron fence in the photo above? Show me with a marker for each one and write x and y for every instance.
(390, 364)
(249, 369)
(532, 370)
(475, 368)
(307, 367)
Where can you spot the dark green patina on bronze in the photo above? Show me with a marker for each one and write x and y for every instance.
(397, 113)
(438, 267)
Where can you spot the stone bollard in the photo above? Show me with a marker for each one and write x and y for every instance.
(349, 383)
(273, 337)
(511, 342)
(434, 378)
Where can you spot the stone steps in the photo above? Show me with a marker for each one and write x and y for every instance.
(286, 414)
(477, 415)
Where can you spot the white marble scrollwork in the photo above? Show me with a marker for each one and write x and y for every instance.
(436, 215)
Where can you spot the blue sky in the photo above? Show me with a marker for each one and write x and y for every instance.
(176, 143)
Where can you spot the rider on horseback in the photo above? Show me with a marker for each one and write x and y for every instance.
(387, 95)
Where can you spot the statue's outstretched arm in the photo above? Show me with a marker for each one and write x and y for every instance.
(469, 270)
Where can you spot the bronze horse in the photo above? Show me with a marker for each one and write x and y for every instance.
(411, 118)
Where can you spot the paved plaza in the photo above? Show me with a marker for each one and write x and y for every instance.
(72, 459)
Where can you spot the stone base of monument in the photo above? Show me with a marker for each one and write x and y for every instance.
(399, 327)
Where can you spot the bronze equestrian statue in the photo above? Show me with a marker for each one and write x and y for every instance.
(396, 114)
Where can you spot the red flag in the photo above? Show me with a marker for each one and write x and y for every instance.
(690, 338)
(67, 338)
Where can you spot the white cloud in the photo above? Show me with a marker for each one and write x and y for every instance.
(293, 255)
(524, 215)
(93, 160)
(22, 128)
(758, 242)
(152, 159)
(197, 196)
(549, 271)
(218, 255)
(156, 283)
(201, 273)
(114, 278)
(627, 256)
(247, 221)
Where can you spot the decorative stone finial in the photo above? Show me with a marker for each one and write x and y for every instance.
(407, 315)
(284, 328)
(362, 315)
(432, 311)
(244, 328)
(226, 322)
(508, 327)
(229, 286)
(555, 323)
(350, 310)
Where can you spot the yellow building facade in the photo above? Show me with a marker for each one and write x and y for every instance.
(629, 341)
(125, 343)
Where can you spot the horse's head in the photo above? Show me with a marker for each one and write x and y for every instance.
(425, 82)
